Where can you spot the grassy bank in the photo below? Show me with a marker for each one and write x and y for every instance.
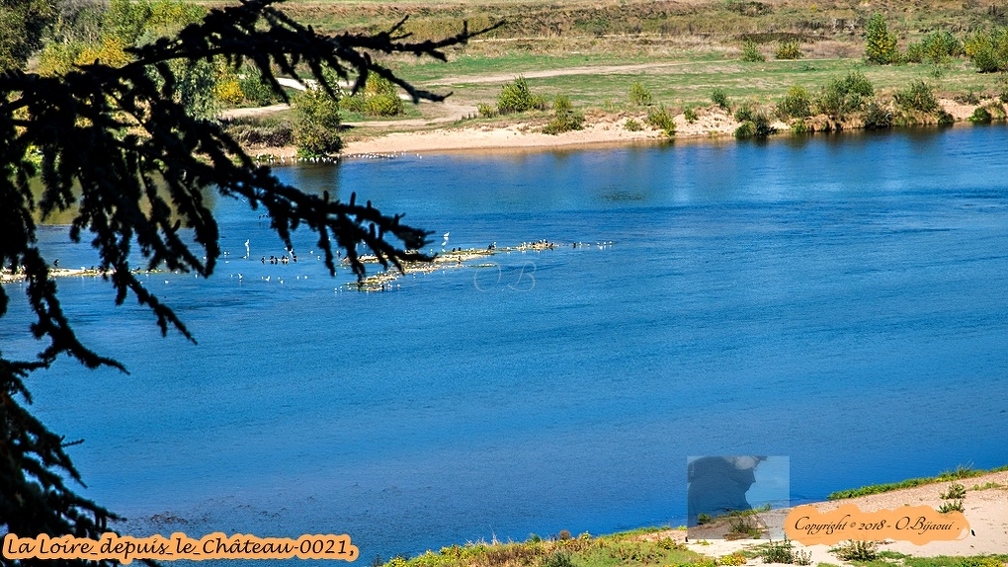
(644, 547)
(593, 52)
(652, 547)
(959, 473)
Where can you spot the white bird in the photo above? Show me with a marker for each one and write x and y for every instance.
(246, 249)
(445, 242)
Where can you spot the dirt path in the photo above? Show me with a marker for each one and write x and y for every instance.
(582, 70)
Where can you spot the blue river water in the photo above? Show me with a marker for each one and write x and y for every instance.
(841, 301)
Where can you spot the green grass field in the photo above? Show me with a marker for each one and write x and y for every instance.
(593, 50)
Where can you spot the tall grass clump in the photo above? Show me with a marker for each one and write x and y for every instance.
(788, 50)
(662, 119)
(751, 52)
(842, 96)
(640, 95)
(797, 103)
(988, 49)
(880, 43)
(918, 96)
(517, 97)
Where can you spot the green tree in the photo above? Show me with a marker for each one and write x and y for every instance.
(23, 23)
(880, 44)
(115, 149)
(317, 122)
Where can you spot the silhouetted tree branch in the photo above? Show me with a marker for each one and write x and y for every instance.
(114, 147)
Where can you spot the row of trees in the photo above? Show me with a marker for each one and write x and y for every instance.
(88, 33)
(987, 49)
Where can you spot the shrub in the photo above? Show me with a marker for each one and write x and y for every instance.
(988, 50)
(914, 53)
(799, 127)
(379, 97)
(486, 110)
(690, 114)
(880, 42)
(936, 47)
(941, 45)
(744, 525)
(856, 550)
(663, 120)
(254, 89)
(918, 96)
(788, 50)
(777, 552)
(796, 104)
(841, 96)
(720, 98)
(751, 52)
(228, 90)
(951, 506)
(756, 127)
(640, 95)
(802, 558)
(745, 112)
(632, 125)
(382, 97)
(317, 122)
(703, 519)
(955, 491)
(565, 119)
(945, 118)
(517, 97)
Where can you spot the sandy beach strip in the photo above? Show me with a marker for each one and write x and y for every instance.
(986, 510)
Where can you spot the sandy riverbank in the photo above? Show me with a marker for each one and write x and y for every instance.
(601, 129)
(986, 510)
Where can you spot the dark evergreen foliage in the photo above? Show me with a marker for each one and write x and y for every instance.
(115, 147)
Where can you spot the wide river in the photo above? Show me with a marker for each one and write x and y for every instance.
(841, 301)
